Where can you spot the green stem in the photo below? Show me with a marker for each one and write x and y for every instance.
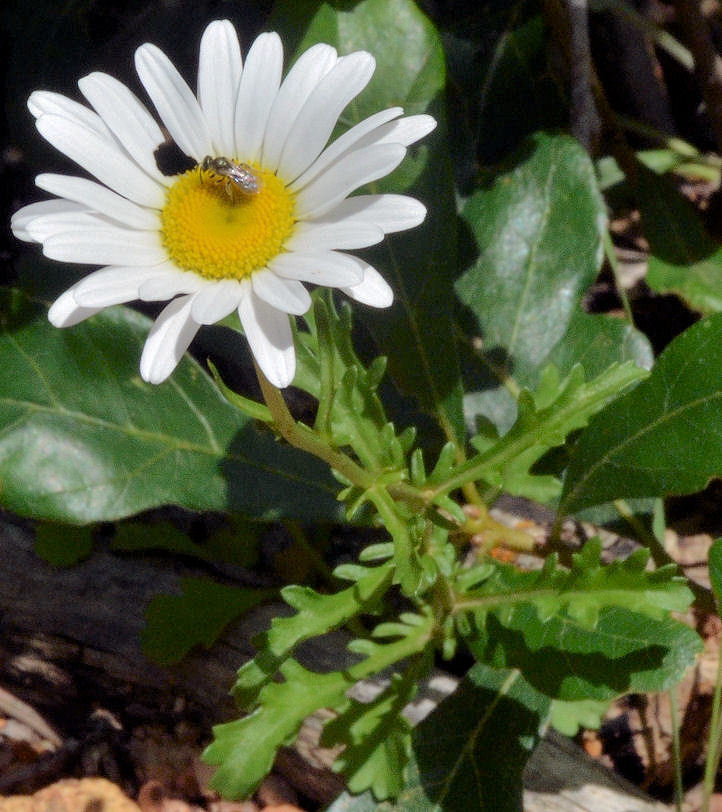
(302, 437)
(406, 563)
(714, 749)
(612, 259)
(676, 752)
(322, 423)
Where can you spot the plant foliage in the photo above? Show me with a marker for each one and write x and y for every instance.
(492, 379)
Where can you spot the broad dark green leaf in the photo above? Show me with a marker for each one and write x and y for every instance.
(176, 623)
(663, 436)
(85, 439)
(684, 259)
(416, 333)
(518, 95)
(536, 243)
(471, 751)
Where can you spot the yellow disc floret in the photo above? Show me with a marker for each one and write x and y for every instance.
(218, 232)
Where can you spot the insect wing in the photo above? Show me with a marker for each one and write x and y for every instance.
(245, 178)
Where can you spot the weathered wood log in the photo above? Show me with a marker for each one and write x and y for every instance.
(70, 638)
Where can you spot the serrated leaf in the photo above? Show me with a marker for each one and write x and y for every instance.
(244, 750)
(85, 439)
(585, 590)
(351, 411)
(544, 420)
(625, 652)
(176, 623)
(660, 438)
(377, 740)
(416, 332)
(597, 342)
(523, 297)
(316, 614)
(568, 717)
(524, 225)
(471, 751)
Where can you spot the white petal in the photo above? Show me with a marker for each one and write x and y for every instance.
(269, 335)
(315, 123)
(100, 199)
(66, 312)
(344, 143)
(44, 102)
(174, 101)
(322, 268)
(102, 159)
(404, 131)
(168, 340)
(112, 285)
(127, 118)
(389, 212)
(216, 300)
(348, 233)
(219, 74)
(22, 218)
(347, 174)
(47, 226)
(287, 295)
(112, 246)
(303, 77)
(259, 85)
(168, 281)
(372, 290)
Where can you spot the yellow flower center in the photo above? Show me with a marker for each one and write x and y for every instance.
(212, 227)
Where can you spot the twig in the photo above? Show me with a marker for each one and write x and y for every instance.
(707, 62)
(10, 705)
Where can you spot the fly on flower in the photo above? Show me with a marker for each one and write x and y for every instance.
(233, 175)
(175, 238)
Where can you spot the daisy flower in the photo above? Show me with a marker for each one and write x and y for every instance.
(265, 209)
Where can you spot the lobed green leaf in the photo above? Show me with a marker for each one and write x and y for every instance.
(316, 614)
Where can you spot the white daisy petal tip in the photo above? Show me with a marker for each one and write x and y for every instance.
(269, 335)
(373, 290)
(424, 124)
(168, 340)
(66, 312)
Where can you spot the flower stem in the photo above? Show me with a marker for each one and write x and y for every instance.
(300, 436)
